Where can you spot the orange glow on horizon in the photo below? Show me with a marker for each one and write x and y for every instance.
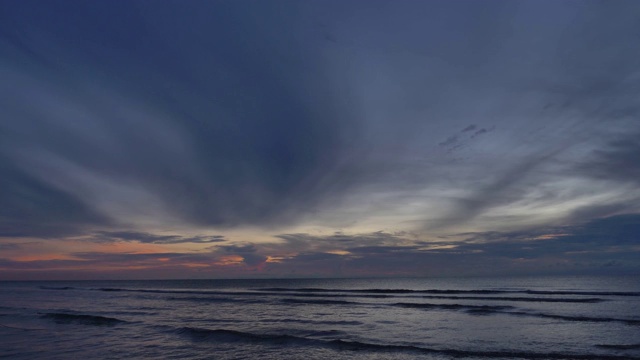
(45, 257)
(438, 247)
(549, 236)
(195, 265)
(338, 252)
(131, 247)
(229, 260)
(274, 259)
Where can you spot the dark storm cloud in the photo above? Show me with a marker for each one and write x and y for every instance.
(147, 238)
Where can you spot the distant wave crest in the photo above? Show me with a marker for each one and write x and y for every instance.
(320, 302)
(65, 318)
(57, 287)
(452, 291)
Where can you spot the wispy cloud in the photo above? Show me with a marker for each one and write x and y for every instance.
(147, 238)
(138, 123)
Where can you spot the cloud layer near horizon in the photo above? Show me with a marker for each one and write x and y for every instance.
(150, 122)
(603, 246)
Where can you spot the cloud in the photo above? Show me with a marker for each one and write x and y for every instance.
(469, 128)
(602, 246)
(232, 141)
(466, 117)
(586, 247)
(618, 161)
(136, 258)
(303, 242)
(248, 253)
(9, 246)
(599, 240)
(32, 208)
(148, 238)
(504, 188)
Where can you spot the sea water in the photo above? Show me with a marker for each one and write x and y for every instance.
(483, 318)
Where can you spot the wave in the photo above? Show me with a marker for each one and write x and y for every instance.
(371, 291)
(473, 308)
(310, 295)
(57, 287)
(216, 300)
(20, 328)
(620, 347)
(439, 297)
(225, 335)
(508, 310)
(220, 292)
(444, 297)
(453, 291)
(356, 345)
(517, 299)
(320, 302)
(575, 317)
(157, 291)
(386, 293)
(65, 318)
(313, 322)
(588, 293)
(153, 291)
(470, 309)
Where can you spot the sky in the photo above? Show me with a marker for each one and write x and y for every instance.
(152, 139)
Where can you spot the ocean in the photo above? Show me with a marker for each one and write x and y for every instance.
(469, 318)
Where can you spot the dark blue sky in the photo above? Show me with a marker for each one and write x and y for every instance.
(318, 138)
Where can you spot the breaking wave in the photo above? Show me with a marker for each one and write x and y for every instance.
(226, 335)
